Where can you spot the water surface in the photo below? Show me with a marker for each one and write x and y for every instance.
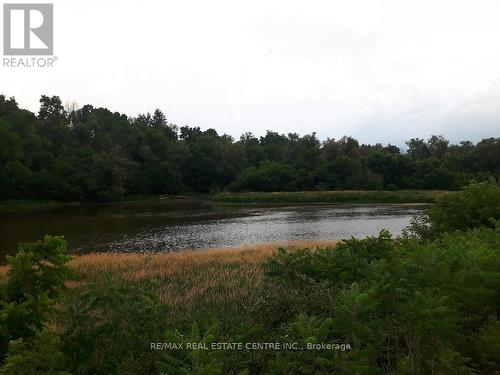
(145, 227)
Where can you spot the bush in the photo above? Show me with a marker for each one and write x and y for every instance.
(35, 280)
(341, 265)
(476, 205)
(472, 207)
(405, 306)
(109, 330)
(197, 361)
(36, 356)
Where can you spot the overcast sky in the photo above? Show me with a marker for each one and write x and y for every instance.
(381, 71)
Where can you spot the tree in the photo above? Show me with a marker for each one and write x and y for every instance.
(159, 120)
(94, 154)
(417, 149)
(437, 146)
(52, 112)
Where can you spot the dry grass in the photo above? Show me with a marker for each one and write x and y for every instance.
(141, 266)
(3, 274)
(186, 279)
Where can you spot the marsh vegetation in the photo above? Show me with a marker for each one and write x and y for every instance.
(424, 303)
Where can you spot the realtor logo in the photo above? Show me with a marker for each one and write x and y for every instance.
(28, 29)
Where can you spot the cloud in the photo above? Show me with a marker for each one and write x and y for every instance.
(459, 117)
(380, 71)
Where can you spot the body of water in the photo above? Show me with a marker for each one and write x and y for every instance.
(144, 227)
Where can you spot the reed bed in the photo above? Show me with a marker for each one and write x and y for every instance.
(185, 280)
(3, 274)
(331, 197)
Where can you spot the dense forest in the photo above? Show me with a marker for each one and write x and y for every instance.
(93, 154)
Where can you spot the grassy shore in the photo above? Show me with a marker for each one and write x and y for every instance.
(188, 280)
(293, 197)
(17, 204)
(341, 197)
(31, 203)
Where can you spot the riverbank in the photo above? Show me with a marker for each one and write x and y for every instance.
(186, 279)
(330, 197)
(263, 198)
(20, 205)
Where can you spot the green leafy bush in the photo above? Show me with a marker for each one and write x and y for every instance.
(109, 330)
(478, 204)
(196, 361)
(39, 355)
(35, 280)
(342, 264)
(472, 207)
(405, 307)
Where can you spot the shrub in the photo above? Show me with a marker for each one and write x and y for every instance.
(36, 356)
(35, 280)
(343, 264)
(109, 330)
(196, 361)
(405, 307)
(476, 205)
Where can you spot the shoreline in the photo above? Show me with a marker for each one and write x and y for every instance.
(341, 197)
(149, 265)
(331, 197)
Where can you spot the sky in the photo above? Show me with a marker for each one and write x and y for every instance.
(378, 70)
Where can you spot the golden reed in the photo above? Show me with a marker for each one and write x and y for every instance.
(188, 278)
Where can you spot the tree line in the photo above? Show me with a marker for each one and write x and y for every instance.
(93, 154)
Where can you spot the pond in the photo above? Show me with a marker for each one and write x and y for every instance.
(173, 226)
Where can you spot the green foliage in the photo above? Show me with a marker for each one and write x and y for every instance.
(478, 204)
(198, 361)
(283, 298)
(487, 345)
(38, 268)
(309, 357)
(347, 262)
(109, 330)
(40, 355)
(35, 281)
(472, 207)
(405, 306)
(270, 176)
(93, 154)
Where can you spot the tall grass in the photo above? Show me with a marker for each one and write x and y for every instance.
(187, 280)
(346, 197)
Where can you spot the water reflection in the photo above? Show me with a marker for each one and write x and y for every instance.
(156, 227)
